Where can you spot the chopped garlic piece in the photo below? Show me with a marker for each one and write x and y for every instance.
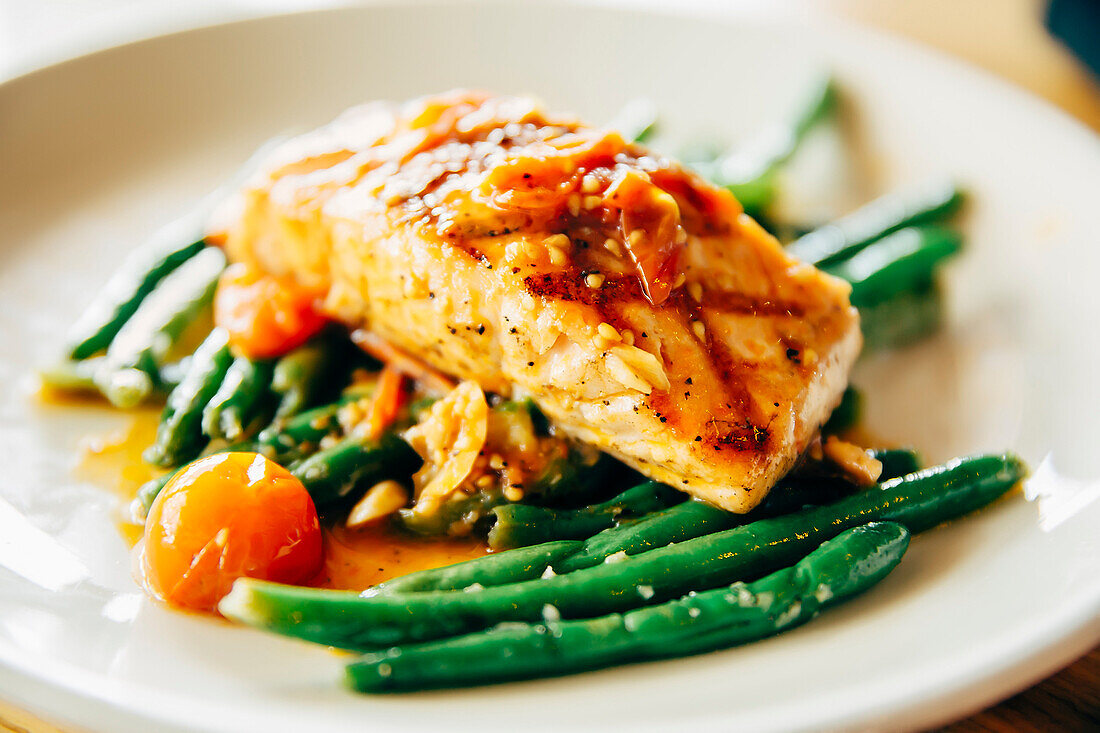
(855, 462)
(647, 367)
(381, 500)
(449, 439)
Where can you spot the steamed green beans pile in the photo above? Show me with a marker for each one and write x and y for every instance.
(699, 622)
(532, 612)
(637, 573)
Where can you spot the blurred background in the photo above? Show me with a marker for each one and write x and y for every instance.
(1045, 46)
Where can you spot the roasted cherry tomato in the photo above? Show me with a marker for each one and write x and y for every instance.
(228, 516)
(266, 316)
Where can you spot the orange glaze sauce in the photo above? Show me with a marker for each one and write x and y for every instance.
(355, 559)
(113, 462)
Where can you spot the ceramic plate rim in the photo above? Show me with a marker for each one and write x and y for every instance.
(1006, 667)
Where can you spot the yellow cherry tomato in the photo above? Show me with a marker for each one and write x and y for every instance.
(229, 516)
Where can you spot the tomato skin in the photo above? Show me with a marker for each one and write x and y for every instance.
(224, 517)
(266, 316)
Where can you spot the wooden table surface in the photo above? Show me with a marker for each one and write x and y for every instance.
(1005, 37)
(1068, 701)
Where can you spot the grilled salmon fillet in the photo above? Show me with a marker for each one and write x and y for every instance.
(636, 303)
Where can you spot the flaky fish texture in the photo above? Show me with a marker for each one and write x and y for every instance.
(636, 303)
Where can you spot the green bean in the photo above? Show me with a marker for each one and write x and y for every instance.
(146, 267)
(129, 371)
(297, 436)
(179, 436)
(286, 438)
(749, 172)
(171, 374)
(147, 494)
(298, 376)
(840, 568)
(896, 462)
(239, 398)
(523, 563)
(847, 414)
(694, 518)
(902, 319)
(827, 245)
(119, 299)
(334, 473)
(347, 620)
(518, 525)
(685, 521)
(899, 263)
(795, 493)
(72, 376)
(458, 514)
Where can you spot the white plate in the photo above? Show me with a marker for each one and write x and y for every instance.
(98, 151)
